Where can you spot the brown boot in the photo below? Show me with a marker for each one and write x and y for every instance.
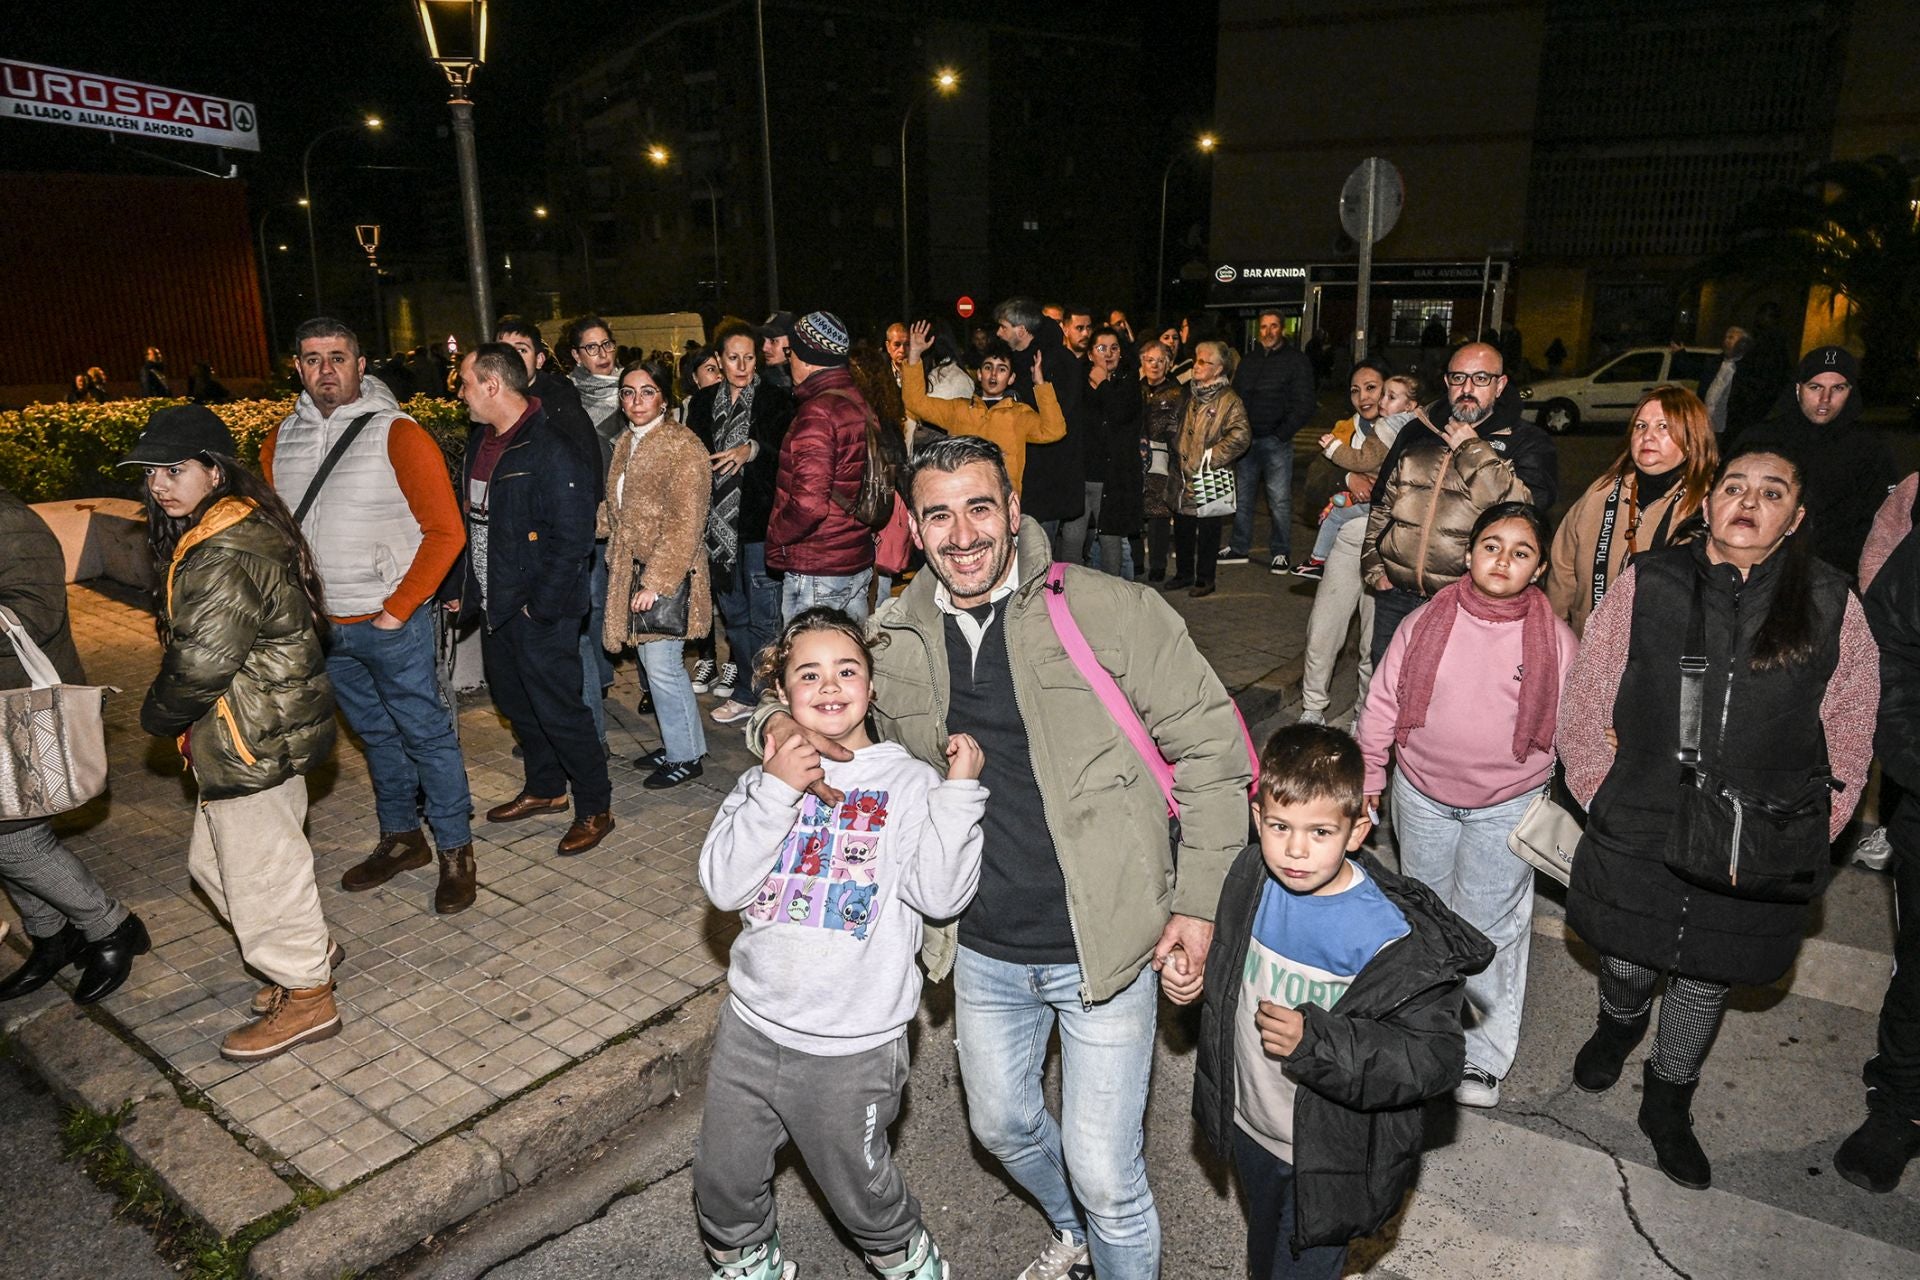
(397, 851)
(457, 877)
(297, 1017)
(263, 998)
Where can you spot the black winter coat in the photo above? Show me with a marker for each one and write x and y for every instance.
(1893, 611)
(1054, 484)
(540, 526)
(1363, 1069)
(1848, 471)
(1277, 388)
(561, 401)
(1115, 417)
(772, 411)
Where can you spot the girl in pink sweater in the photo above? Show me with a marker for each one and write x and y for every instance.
(1465, 701)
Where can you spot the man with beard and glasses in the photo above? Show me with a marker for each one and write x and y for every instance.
(1436, 482)
(1083, 909)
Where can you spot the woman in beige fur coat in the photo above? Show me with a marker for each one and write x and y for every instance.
(656, 509)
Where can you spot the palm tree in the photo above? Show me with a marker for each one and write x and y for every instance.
(1853, 228)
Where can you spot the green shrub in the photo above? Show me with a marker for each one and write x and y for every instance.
(54, 452)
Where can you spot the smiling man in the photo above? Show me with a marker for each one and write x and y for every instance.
(1081, 901)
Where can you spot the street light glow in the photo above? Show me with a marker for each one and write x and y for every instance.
(303, 202)
(658, 155)
(1208, 142)
(947, 80)
(374, 122)
(539, 211)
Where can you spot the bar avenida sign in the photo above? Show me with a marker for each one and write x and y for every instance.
(29, 91)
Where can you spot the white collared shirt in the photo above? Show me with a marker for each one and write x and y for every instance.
(971, 627)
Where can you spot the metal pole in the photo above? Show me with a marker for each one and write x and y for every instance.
(713, 215)
(477, 282)
(906, 289)
(586, 264)
(766, 160)
(1486, 271)
(379, 311)
(1160, 271)
(1364, 299)
(266, 278)
(306, 198)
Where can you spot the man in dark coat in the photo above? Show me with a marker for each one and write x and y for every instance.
(1847, 467)
(1275, 381)
(153, 375)
(1053, 490)
(557, 395)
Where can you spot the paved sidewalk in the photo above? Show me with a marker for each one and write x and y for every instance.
(444, 1017)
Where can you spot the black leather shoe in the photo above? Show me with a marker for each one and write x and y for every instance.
(48, 957)
(110, 960)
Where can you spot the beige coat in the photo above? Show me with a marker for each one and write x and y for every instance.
(1570, 574)
(1216, 422)
(656, 513)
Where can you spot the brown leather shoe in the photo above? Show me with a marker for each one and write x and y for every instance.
(457, 880)
(263, 998)
(585, 833)
(297, 1017)
(524, 806)
(397, 851)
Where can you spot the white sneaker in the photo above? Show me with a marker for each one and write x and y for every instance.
(730, 712)
(703, 675)
(1312, 717)
(1874, 851)
(1477, 1088)
(1062, 1259)
(1232, 557)
(723, 684)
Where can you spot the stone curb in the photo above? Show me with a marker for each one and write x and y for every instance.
(1268, 696)
(461, 1174)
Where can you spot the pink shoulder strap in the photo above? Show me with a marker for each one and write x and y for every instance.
(1108, 690)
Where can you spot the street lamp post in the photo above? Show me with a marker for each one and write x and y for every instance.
(1206, 142)
(369, 236)
(306, 197)
(456, 32)
(266, 278)
(660, 158)
(946, 81)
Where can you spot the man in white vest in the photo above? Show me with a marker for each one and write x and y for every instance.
(373, 495)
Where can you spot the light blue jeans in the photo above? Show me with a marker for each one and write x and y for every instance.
(681, 732)
(1091, 1160)
(1330, 528)
(1462, 855)
(846, 592)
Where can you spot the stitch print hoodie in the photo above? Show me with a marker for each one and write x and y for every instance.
(832, 897)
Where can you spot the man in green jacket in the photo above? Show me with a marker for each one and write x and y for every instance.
(1082, 904)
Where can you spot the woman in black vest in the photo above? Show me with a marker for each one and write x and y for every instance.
(1787, 701)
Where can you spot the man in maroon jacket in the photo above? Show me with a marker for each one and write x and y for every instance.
(825, 555)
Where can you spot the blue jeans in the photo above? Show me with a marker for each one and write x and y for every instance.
(388, 686)
(1091, 1159)
(1462, 855)
(750, 606)
(596, 668)
(1268, 1182)
(681, 732)
(844, 591)
(1330, 528)
(1271, 457)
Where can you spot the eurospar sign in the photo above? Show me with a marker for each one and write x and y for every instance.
(29, 91)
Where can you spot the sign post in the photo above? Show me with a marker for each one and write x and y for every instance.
(83, 100)
(1370, 205)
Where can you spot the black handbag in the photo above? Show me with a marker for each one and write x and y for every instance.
(1730, 841)
(668, 616)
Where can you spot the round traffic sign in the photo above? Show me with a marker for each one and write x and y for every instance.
(1389, 195)
(965, 307)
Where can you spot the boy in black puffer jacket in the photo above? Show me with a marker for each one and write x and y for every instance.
(1332, 1013)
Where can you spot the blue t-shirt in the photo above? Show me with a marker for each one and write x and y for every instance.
(1306, 949)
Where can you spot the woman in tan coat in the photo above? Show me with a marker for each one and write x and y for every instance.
(656, 510)
(1213, 430)
(1656, 484)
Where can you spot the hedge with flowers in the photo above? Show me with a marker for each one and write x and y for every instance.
(51, 452)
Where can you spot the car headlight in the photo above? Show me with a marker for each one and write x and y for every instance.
(1526, 393)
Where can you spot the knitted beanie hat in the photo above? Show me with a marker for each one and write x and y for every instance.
(819, 338)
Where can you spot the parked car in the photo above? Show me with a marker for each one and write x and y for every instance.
(1608, 392)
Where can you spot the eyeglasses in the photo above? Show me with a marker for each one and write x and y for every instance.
(597, 348)
(1478, 378)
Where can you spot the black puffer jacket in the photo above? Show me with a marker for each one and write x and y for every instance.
(1393, 1041)
(1115, 415)
(243, 673)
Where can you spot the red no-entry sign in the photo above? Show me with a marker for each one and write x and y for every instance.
(965, 307)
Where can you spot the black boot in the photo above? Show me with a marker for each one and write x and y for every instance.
(1598, 1063)
(1666, 1118)
(48, 957)
(110, 960)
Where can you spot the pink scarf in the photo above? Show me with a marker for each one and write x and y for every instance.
(1539, 655)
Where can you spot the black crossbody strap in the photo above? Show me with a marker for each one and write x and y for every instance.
(1693, 679)
(331, 461)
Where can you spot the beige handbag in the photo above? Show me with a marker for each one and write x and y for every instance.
(53, 737)
(1546, 838)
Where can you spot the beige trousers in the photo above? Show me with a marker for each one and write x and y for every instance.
(250, 854)
(1334, 602)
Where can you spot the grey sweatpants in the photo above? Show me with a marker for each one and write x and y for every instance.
(51, 887)
(836, 1110)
